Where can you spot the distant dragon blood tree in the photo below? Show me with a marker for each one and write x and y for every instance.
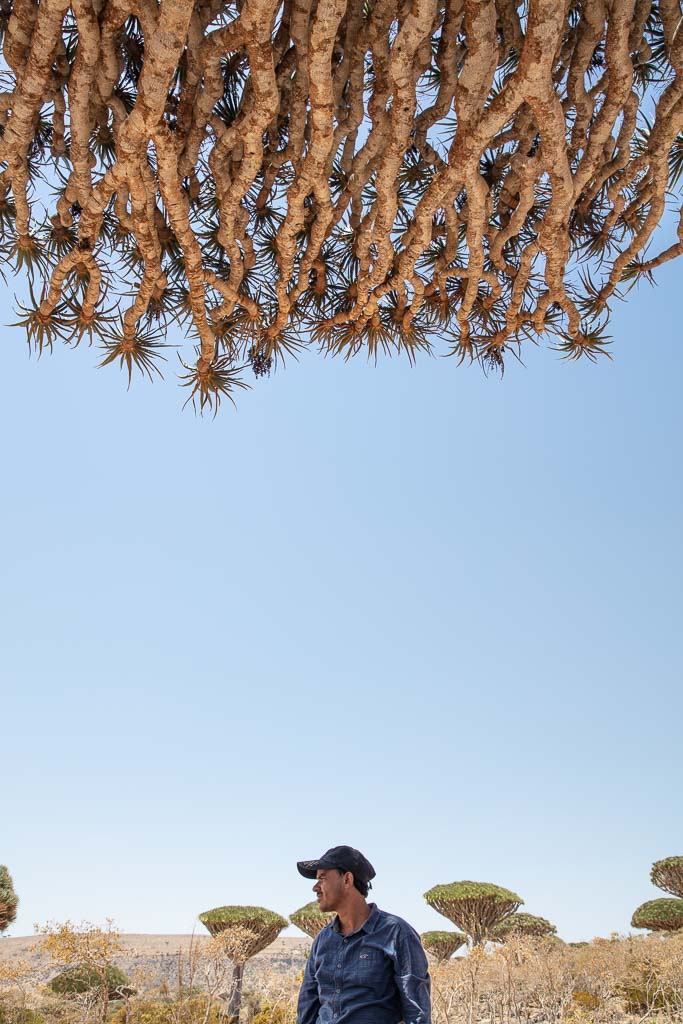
(667, 875)
(363, 176)
(522, 924)
(243, 932)
(663, 915)
(8, 899)
(311, 919)
(474, 907)
(659, 915)
(442, 945)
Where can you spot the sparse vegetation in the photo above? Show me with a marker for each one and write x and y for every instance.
(87, 950)
(527, 979)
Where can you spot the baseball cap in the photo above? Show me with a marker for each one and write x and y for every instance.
(345, 858)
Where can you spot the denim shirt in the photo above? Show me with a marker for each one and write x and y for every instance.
(376, 975)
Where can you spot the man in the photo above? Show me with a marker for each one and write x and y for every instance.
(366, 966)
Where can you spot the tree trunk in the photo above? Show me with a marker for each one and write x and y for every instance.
(233, 1012)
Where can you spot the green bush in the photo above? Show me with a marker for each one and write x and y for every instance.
(274, 1013)
(640, 1000)
(586, 1000)
(78, 980)
(162, 1011)
(10, 1014)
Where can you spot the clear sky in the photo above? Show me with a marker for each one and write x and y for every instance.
(429, 614)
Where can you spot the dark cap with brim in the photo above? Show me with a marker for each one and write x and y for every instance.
(344, 858)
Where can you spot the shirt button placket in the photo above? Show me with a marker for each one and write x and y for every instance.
(337, 978)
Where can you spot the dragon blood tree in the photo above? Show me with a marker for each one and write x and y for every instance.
(659, 915)
(667, 875)
(522, 924)
(311, 919)
(9, 900)
(475, 907)
(442, 945)
(361, 177)
(242, 932)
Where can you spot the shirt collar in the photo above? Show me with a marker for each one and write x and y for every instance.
(367, 926)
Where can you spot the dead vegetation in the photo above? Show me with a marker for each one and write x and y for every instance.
(528, 980)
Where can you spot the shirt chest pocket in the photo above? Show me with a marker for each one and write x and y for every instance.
(369, 966)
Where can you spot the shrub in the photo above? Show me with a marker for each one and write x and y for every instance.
(585, 1000)
(81, 979)
(192, 1010)
(275, 1013)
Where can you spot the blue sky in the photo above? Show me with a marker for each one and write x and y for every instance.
(430, 614)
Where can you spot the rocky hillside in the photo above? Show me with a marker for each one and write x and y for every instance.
(157, 956)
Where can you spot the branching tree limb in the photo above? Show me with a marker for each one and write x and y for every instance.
(362, 175)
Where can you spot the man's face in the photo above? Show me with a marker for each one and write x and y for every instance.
(329, 887)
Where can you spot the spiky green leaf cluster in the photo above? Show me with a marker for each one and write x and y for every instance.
(363, 226)
(667, 874)
(662, 915)
(522, 924)
(471, 891)
(253, 928)
(223, 917)
(9, 900)
(474, 907)
(442, 945)
(311, 919)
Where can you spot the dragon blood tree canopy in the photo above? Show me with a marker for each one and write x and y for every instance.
(659, 915)
(522, 924)
(8, 899)
(442, 945)
(246, 930)
(311, 919)
(365, 178)
(667, 874)
(475, 907)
